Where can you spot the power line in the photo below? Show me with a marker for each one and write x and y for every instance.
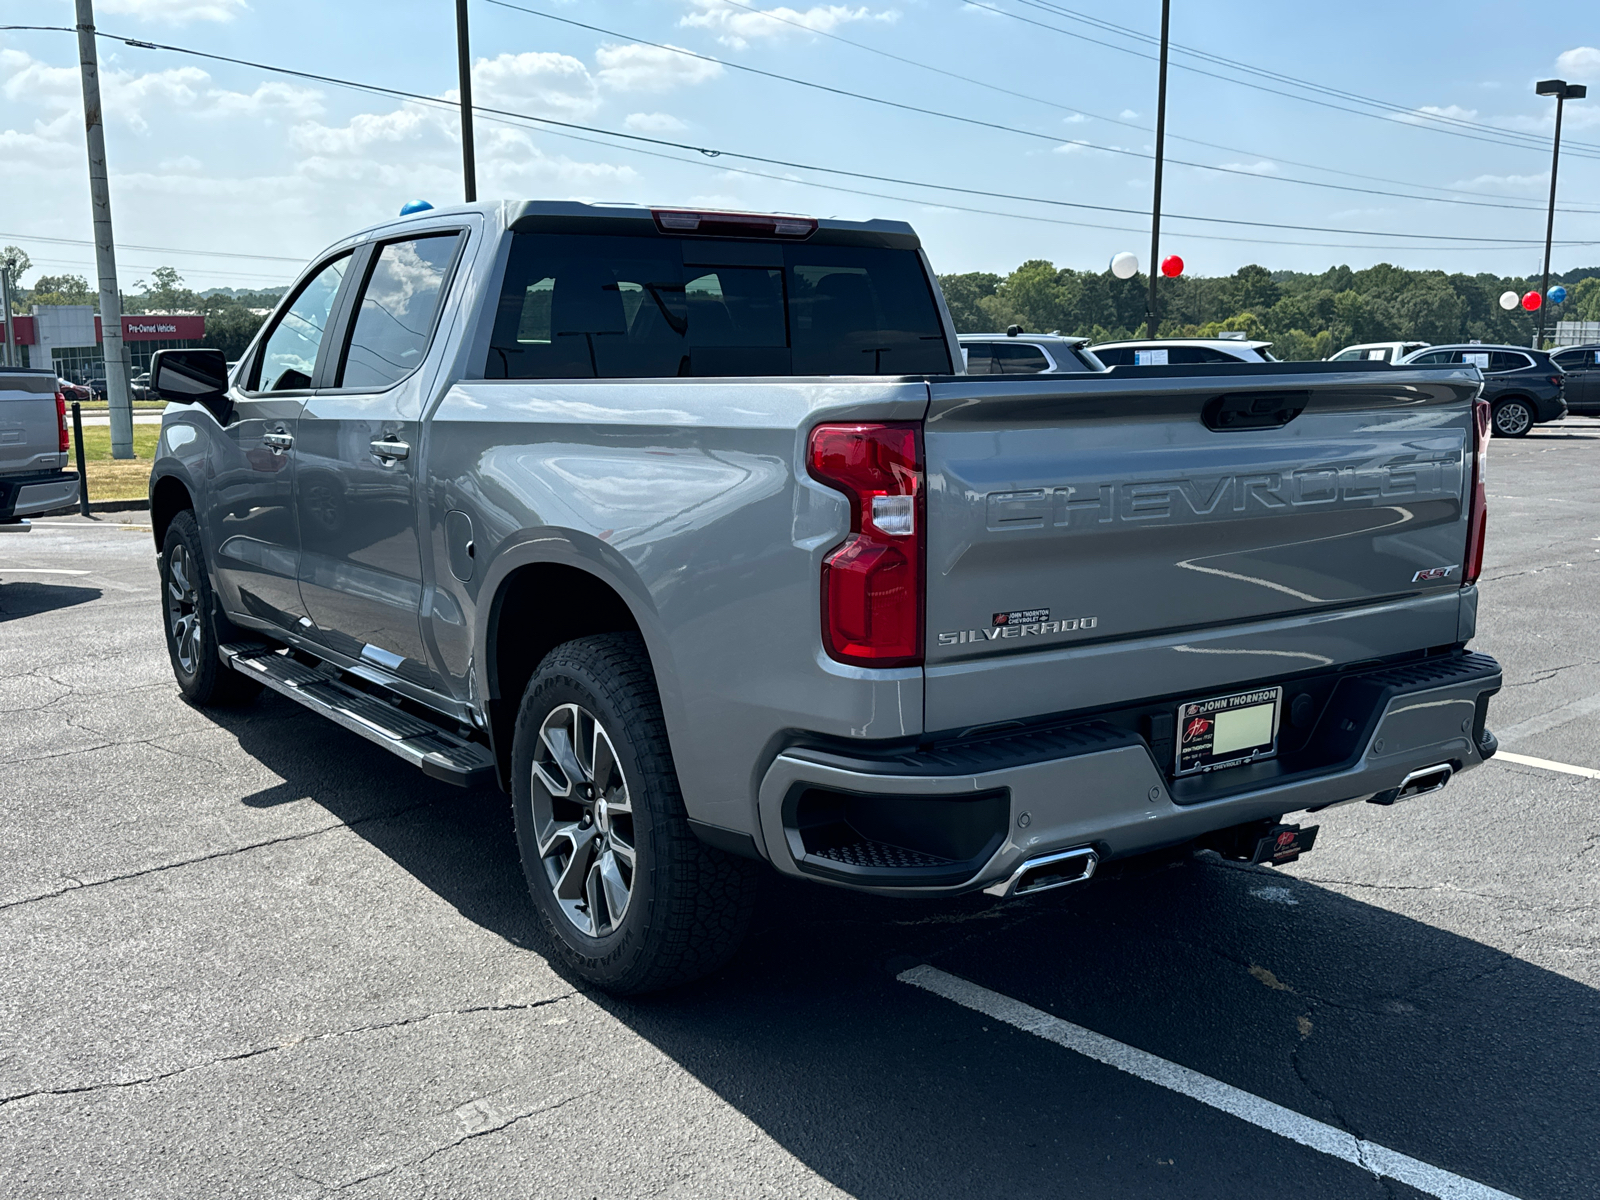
(1419, 117)
(1055, 139)
(1536, 140)
(1083, 112)
(714, 153)
(154, 249)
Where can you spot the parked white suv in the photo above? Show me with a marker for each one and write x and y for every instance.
(1389, 352)
(1161, 352)
(1016, 353)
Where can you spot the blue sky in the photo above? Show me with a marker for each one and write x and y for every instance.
(212, 157)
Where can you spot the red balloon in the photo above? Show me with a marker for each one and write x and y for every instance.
(1531, 301)
(1172, 266)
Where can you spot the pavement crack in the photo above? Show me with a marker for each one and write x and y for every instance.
(292, 1043)
(203, 858)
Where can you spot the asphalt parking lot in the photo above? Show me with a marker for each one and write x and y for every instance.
(249, 954)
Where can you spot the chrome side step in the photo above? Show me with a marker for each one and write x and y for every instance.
(440, 754)
(1048, 871)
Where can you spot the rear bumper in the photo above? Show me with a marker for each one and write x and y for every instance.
(1090, 784)
(29, 495)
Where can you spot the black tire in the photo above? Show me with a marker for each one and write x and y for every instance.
(194, 623)
(1513, 417)
(687, 906)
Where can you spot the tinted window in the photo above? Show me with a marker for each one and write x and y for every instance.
(289, 358)
(1505, 360)
(980, 359)
(1348, 355)
(1434, 358)
(631, 307)
(1189, 355)
(397, 310)
(1115, 356)
(1019, 358)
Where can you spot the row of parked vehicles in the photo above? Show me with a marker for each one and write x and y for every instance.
(1524, 387)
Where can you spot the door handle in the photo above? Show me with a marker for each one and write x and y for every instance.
(277, 441)
(390, 448)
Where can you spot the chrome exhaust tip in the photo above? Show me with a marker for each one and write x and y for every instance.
(1047, 871)
(1422, 782)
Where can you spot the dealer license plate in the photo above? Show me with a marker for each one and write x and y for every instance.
(1227, 731)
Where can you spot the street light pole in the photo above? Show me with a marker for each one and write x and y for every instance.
(1153, 318)
(469, 165)
(105, 252)
(1562, 91)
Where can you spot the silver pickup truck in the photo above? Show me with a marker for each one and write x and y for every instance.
(33, 448)
(689, 531)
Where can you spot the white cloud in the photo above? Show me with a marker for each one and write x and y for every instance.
(367, 130)
(636, 68)
(737, 26)
(1449, 111)
(176, 12)
(1581, 62)
(1128, 114)
(1075, 119)
(270, 99)
(654, 122)
(1256, 168)
(1541, 180)
(550, 84)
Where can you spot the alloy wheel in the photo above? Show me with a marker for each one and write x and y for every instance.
(183, 615)
(583, 820)
(1512, 419)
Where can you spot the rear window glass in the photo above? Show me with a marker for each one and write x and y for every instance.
(1019, 358)
(583, 307)
(1505, 360)
(980, 359)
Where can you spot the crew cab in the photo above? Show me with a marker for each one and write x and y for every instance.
(33, 447)
(689, 531)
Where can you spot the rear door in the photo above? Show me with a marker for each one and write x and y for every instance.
(1146, 510)
(358, 447)
(1581, 382)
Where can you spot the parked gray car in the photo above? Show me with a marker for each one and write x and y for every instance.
(688, 530)
(33, 447)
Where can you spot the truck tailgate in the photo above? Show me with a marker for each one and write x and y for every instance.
(1129, 519)
(30, 435)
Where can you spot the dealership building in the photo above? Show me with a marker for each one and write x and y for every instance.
(67, 337)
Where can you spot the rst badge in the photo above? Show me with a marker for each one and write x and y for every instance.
(1435, 573)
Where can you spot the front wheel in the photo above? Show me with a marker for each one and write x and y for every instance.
(1513, 418)
(194, 621)
(629, 899)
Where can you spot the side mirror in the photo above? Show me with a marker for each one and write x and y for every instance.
(192, 377)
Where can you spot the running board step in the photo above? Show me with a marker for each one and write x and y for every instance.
(441, 754)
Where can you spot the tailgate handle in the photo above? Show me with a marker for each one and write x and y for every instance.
(1253, 410)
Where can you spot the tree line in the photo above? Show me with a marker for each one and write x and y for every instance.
(1304, 316)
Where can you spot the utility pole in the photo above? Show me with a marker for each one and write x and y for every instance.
(469, 165)
(12, 358)
(1562, 91)
(105, 253)
(1154, 316)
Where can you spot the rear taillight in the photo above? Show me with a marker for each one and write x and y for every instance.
(61, 420)
(1556, 379)
(732, 224)
(1478, 515)
(872, 581)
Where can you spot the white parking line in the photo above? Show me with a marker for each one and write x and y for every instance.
(1264, 1114)
(1546, 764)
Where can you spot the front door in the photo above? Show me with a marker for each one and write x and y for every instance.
(359, 445)
(1582, 383)
(256, 546)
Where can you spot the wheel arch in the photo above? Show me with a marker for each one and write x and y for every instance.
(541, 596)
(169, 495)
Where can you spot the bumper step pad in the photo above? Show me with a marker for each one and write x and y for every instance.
(440, 753)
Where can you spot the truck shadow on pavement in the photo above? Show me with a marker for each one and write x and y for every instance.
(25, 598)
(1423, 1041)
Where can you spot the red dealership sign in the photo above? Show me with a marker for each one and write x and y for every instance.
(161, 328)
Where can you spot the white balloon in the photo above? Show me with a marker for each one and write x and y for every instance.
(1125, 265)
(1509, 300)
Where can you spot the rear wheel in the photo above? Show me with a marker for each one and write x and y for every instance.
(194, 622)
(1513, 418)
(629, 899)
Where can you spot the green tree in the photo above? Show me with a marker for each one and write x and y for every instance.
(164, 292)
(963, 294)
(61, 289)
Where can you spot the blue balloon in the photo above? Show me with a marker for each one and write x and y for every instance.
(1557, 294)
(414, 206)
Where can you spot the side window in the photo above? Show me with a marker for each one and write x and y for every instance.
(980, 358)
(398, 306)
(1115, 356)
(1348, 356)
(288, 358)
(1189, 355)
(1019, 358)
(1435, 358)
(1504, 360)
